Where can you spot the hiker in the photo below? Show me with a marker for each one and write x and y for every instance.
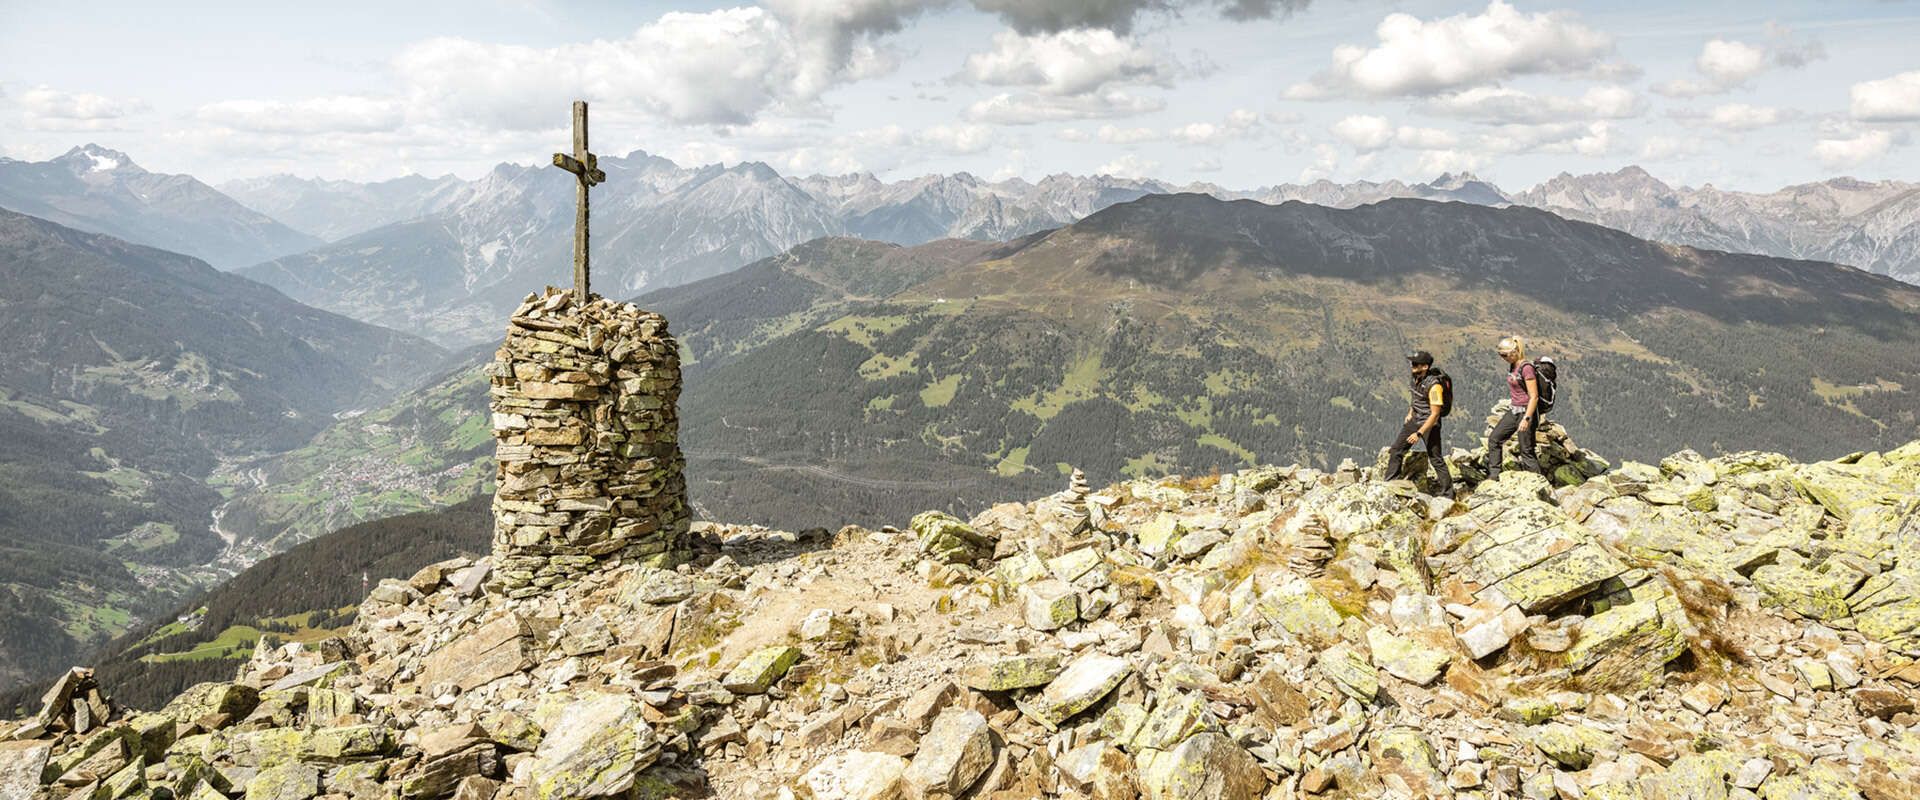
(1432, 399)
(1523, 412)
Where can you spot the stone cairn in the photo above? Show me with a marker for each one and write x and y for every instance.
(587, 439)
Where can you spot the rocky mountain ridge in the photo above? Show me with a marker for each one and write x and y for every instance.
(99, 190)
(1741, 627)
(667, 225)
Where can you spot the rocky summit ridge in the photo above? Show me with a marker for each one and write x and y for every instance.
(1732, 627)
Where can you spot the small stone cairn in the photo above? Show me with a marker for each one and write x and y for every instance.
(587, 439)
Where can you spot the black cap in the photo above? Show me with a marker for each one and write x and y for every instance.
(1421, 357)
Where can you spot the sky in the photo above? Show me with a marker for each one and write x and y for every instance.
(1748, 95)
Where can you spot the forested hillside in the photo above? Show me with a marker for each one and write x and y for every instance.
(304, 593)
(128, 374)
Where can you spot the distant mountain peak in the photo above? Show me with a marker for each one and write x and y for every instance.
(94, 158)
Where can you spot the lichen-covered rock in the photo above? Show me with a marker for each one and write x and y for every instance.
(1626, 646)
(947, 540)
(1014, 672)
(1406, 659)
(1083, 683)
(1206, 766)
(20, 766)
(597, 747)
(291, 781)
(760, 669)
(1049, 604)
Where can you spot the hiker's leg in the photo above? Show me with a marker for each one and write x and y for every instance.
(1497, 443)
(1437, 459)
(1529, 459)
(1397, 452)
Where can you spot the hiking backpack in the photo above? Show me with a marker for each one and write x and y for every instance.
(1446, 390)
(1547, 374)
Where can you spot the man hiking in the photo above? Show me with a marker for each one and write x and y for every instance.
(1523, 412)
(1432, 391)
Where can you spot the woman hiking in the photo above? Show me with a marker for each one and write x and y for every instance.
(1523, 415)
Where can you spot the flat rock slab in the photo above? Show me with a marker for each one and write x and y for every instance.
(760, 669)
(494, 650)
(597, 747)
(1016, 672)
(1082, 684)
(856, 775)
(953, 755)
(20, 766)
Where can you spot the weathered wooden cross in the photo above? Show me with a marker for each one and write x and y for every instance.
(585, 167)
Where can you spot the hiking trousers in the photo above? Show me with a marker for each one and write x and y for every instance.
(1396, 454)
(1509, 428)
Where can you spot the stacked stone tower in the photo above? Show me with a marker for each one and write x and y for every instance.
(587, 438)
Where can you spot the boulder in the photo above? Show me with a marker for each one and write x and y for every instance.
(596, 747)
(290, 781)
(947, 540)
(1406, 659)
(1007, 674)
(855, 775)
(1049, 604)
(760, 669)
(1083, 683)
(953, 755)
(494, 650)
(20, 766)
(1207, 766)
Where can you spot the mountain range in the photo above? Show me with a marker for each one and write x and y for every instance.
(452, 271)
(444, 257)
(856, 380)
(95, 189)
(129, 374)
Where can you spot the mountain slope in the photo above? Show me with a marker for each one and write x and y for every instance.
(334, 210)
(1183, 333)
(1874, 226)
(99, 190)
(130, 372)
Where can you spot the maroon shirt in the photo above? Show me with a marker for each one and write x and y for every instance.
(1517, 384)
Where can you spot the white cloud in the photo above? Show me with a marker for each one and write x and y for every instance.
(1501, 105)
(50, 104)
(1073, 135)
(347, 114)
(1050, 16)
(724, 66)
(1240, 123)
(1437, 162)
(1416, 57)
(1367, 134)
(1725, 65)
(1837, 153)
(1895, 99)
(1364, 133)
(1129, 166)
(1116, 135)
(1587, 139)
(1743, 117)
(956, 139)
(1664, 148)
(1206, 165)
(1028, 108)
(1072, 62)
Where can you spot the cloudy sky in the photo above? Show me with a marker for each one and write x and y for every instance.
(1749, 95)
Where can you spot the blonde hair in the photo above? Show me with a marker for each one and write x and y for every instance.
(1514, 345)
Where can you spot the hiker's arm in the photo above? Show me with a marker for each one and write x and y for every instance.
(1436, 402)
(1533, 401)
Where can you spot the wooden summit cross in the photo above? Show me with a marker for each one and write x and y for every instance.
(585, 167)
